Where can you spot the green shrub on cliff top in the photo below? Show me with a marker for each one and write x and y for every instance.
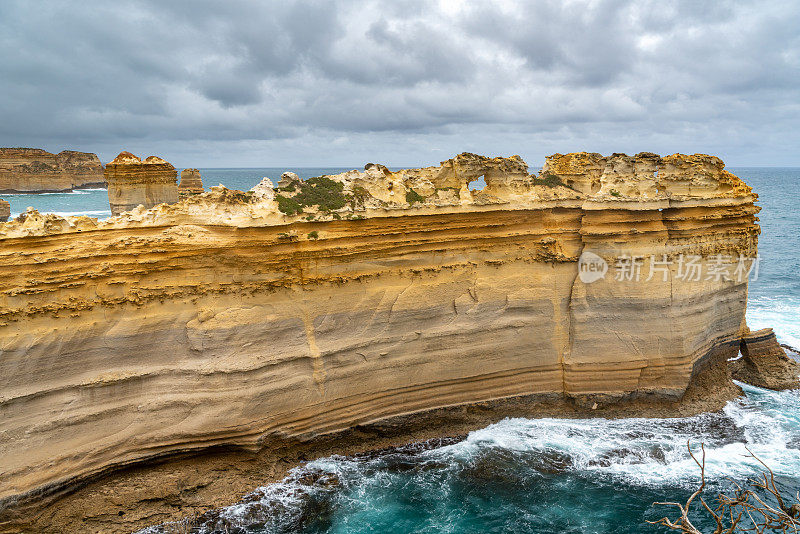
(289, 206)
(550, 180)
(412, 196)
(322, 192)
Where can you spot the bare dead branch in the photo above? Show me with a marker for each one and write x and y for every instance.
(751, 502)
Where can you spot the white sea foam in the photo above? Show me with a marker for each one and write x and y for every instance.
(73, 192)
(781, 314)
(90, 213)
(633, 452)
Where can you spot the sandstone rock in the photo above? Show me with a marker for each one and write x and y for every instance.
(764, 363)
(218, 322)
(5, 210)
(191, 184)
(133, 182)
(288, 179)
(264, 189)
(646, 176)
(32, 170)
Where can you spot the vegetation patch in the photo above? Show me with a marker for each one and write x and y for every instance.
(549, 179)
(322, 192)
(288, 205)
(359, 196)
(313, 235)
(615, 193)
(412, 196)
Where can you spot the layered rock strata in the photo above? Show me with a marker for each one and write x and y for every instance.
(5, 210)
(191, 183)
(133, 182)
(764, 363)
(241, 319)
(32, 170)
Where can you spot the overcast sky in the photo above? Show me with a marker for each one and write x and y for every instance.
(247, 83)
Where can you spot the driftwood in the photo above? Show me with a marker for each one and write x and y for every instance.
(747, 510)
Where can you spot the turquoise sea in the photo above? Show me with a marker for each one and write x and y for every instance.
(538, 475)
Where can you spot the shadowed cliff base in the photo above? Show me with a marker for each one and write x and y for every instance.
(176, 487)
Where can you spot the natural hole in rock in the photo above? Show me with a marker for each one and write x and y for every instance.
(477, 184)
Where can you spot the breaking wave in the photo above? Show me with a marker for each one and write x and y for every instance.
(526, 475)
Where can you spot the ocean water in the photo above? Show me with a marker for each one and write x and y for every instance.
(538, 475)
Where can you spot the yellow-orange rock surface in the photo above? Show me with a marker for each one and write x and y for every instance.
(133, 182)
(32, 170)
(191, 183)
(222, 320)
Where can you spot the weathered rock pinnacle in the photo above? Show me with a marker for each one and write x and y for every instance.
(132, 182)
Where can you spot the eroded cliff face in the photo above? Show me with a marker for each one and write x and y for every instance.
(133, 182)
(5, 210)
(241, 318)
(32, 170)
(191, 183)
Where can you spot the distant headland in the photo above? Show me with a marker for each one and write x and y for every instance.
(33, 170)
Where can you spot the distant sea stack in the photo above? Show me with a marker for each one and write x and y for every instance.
(132, 182)
(191, 184)
(5, 210)
(33, 170)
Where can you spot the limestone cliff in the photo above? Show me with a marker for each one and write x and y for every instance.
(191, 183)
(133, 182)
(32, 170)
(242, 318)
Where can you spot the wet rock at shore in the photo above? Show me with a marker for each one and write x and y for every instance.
(764, 363)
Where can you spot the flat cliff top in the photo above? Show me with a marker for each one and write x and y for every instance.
(23, 152)
(126, 158)
(464, 183)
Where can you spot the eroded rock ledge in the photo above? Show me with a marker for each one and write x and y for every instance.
(282, 315)
(32, 170)
(764, 363)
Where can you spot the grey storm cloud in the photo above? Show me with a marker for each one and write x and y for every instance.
(255, 82)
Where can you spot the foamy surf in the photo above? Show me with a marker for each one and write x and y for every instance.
(519, 459)
(90, 213)
(782, 314)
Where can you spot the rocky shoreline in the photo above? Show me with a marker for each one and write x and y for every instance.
(187, 486)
